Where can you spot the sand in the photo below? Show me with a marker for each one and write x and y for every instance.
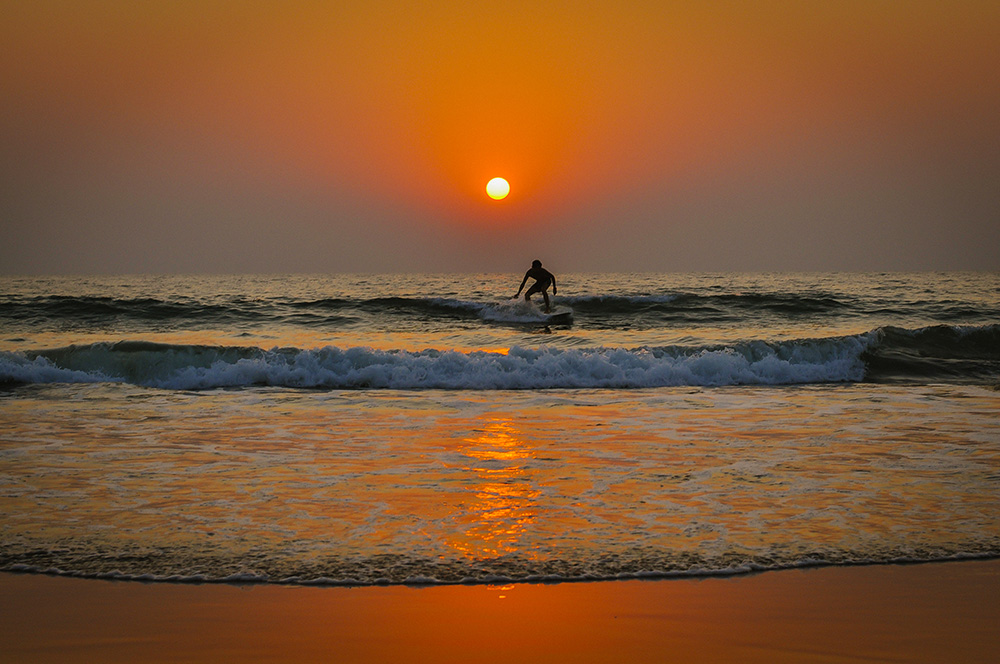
(942, 612)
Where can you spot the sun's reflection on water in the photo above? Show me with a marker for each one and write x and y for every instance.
(504, 501)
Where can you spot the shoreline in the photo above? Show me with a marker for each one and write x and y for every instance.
(920, 612)
(246, 580)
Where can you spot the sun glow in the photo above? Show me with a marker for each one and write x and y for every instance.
(497, 188)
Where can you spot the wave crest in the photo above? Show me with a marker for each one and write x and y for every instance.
(886, 354)
(205, 367)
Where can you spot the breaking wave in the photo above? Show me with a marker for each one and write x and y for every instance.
(940, 353)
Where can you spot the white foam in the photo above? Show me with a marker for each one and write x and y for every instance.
(519, 369)
(183, 367)
(18, 368)
(513, 311)
(665, 569)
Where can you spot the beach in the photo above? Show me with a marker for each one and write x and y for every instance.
(937, 612)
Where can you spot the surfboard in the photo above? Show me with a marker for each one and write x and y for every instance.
(559, 315)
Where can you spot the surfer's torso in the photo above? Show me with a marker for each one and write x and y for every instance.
(543, 278)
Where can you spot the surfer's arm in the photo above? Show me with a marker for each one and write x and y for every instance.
(553, 283)
(521, 287)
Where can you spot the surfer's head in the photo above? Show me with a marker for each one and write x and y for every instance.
(536, 263)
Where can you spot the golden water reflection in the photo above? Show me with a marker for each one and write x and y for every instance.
(502, 501)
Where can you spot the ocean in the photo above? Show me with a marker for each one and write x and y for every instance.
(425, 429)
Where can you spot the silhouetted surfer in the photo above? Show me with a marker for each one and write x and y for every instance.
(542, 279)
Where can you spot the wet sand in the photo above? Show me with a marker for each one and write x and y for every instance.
(914, 613)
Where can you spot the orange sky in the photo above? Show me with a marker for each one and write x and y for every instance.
(201, 136)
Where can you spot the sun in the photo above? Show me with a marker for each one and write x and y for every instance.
(497, 188)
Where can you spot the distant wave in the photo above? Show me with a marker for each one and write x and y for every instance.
(788, 303)
(58, 310)
(965, 354)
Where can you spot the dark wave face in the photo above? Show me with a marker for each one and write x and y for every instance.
(730, 303)
(966, 355)
(58, 311)
(941, 353)
(61, 311)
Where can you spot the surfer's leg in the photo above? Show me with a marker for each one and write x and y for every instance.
(545, 296)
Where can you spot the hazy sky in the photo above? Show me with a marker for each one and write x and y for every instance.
(196, 136)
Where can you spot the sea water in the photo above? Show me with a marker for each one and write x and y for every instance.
(362, 429)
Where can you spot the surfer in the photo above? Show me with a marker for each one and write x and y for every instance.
(542, 279)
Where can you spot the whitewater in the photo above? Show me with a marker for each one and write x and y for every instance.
(357, 429)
